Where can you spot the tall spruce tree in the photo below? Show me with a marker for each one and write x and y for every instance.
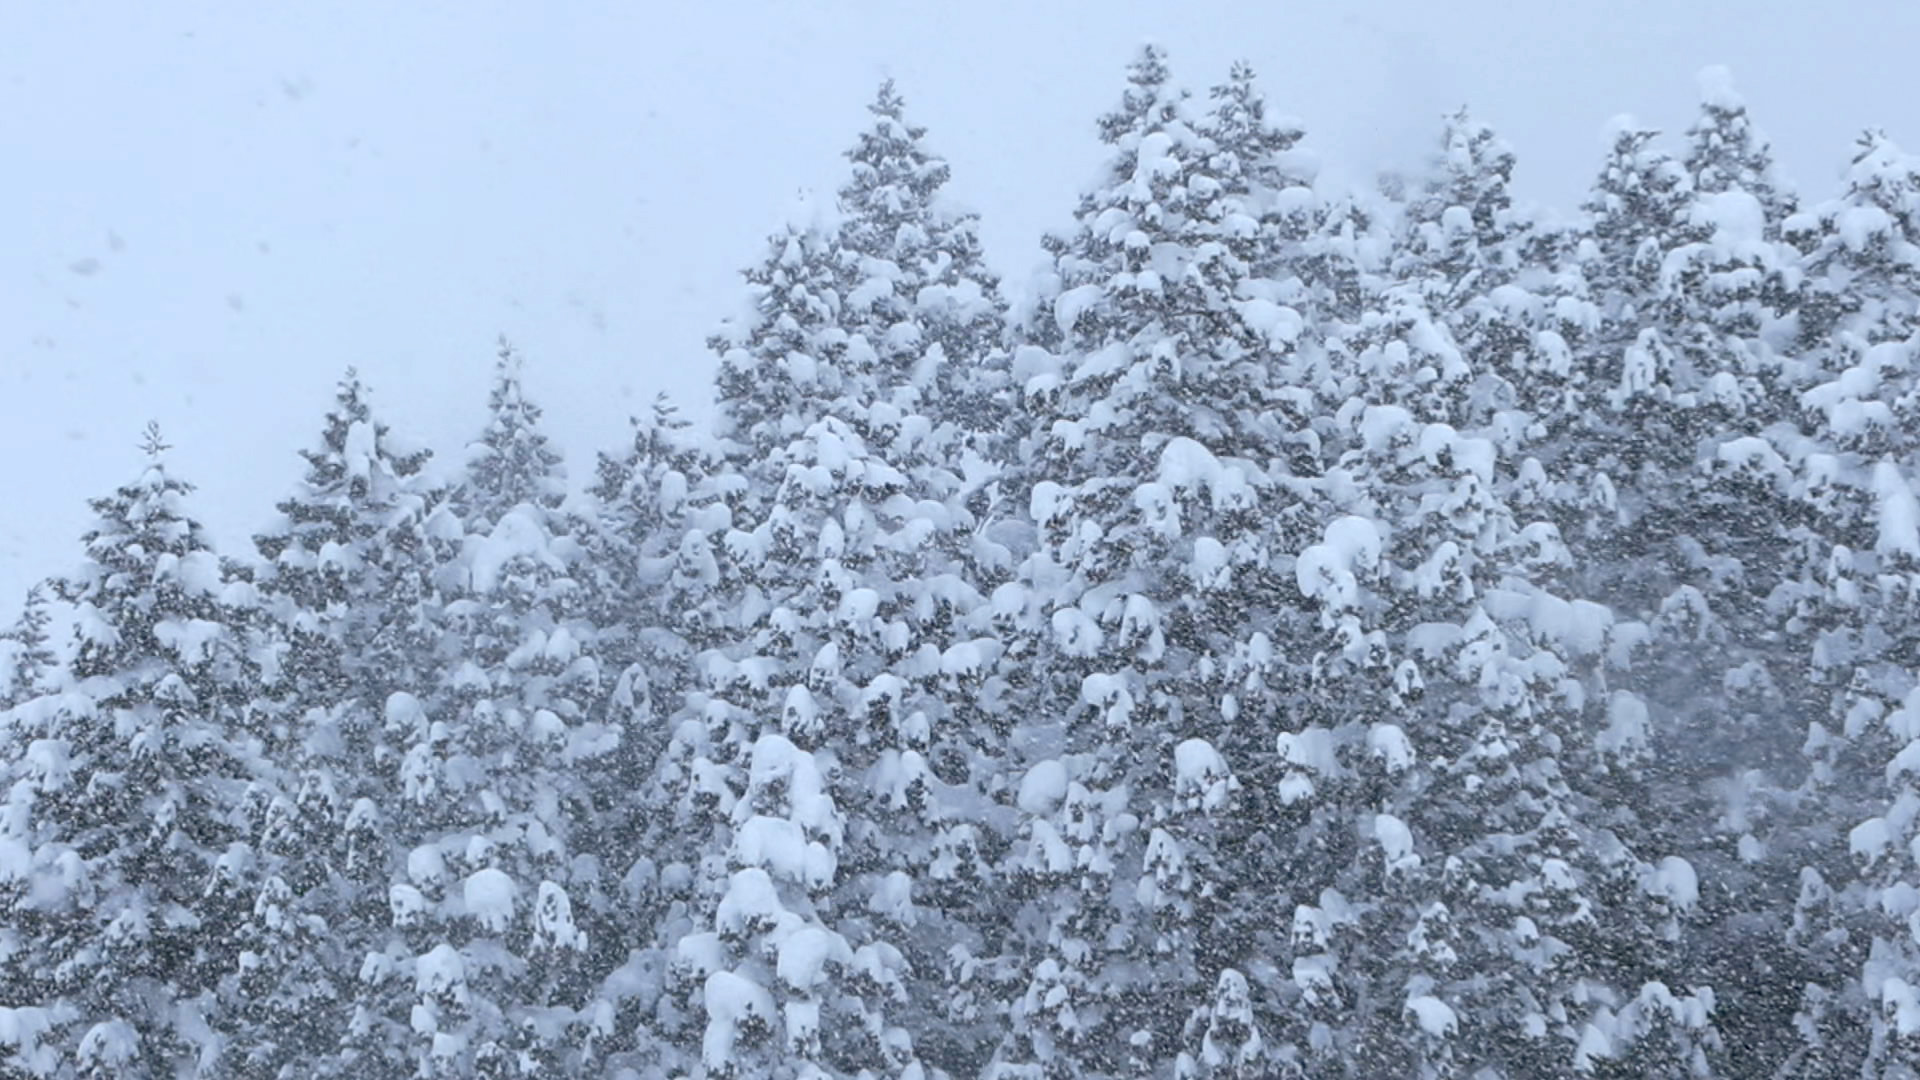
(1140, 629)
(817, 711)
(917, 289)
(486, 967)
(1449, 874)
(1859, 1013)
(647, 571)
(27, 659)
(126, 824)
(778, 376)
(347, 584)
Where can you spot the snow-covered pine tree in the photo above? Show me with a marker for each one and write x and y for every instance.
(796, 967)
(916, 284)
(1688, 288)
(1638, 433)
(838, 579)
(1725, 152)
(1141, 627)
(917, 292)
(1636, 208)
(778, 376)
(1726, 305)
(1462, 236)
(1863, 271)
(27, 659)
(1700, 538)
(338, 558)
(1861, 1013)
(126, 824)
(1445, 870)
(645, 501)
(1503, 284)
(346, 578)
(661, 508)
(485, 970)
(1446, 864)
(1724, 295)
(781, 361)
(640, 498)
(348, 574)
(1258, 156)
(1396, 346)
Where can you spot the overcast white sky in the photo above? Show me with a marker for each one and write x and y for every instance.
(209, 208)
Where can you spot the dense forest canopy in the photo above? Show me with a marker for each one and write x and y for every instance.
(1322, 634)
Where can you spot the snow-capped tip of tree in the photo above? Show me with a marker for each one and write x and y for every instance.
(1726, 152)
(27, 657)
(512, 462)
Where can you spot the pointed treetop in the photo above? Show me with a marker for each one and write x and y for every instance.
(666, 412)
(1473, 171)
(1148, 102)
(777, 356)
(661, 428)
(351, 442)
(350, 395)
(887, 102)
(1862, 247)
(509, 396)
(1870, 142)
(915, 295)
(1642, 194)
(142, 538)
(1149, 66)
(507, 364)
(1726, 152)
(511, 463)
(151, 443)
(1877, 161)
(1240, 88)
(895, 178)
(661, 438)
(1240, 128)
(1468, 142)
(1888, 176)
(1634, 168)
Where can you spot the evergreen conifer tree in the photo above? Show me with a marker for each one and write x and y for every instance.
(1726, 153)
(126, 825)
(484, 970)
(27, 659)
(1143, 624)
(347, 576)
(1859, 1011)
(828, 703)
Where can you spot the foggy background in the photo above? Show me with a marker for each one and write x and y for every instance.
(209, 209)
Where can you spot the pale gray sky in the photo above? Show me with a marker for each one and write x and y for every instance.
(211, 208)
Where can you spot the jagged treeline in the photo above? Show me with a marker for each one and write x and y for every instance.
(1323, 634)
